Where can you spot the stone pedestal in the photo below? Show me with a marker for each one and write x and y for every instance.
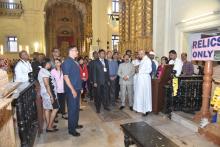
(212, 132)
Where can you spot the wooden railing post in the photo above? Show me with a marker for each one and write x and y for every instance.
(206, 88)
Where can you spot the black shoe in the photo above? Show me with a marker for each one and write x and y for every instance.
(131, 108)
(64, 117)
(54, 130)
(79, 127)
(56, 121)
(122, 107)
(55, 126)
(76, 134)
(106, 108)
(145, 114)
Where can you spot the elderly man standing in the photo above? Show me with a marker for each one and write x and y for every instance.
(126, 72)
(143, 94)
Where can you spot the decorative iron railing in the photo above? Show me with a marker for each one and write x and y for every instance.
(11, 9)
(6, 5)
(188, 98)
(26, 115)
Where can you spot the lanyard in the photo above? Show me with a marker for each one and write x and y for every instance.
(26, 65)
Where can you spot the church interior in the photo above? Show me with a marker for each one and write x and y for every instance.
(185, 109)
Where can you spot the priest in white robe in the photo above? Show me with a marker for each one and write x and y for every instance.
(143, 93)
(136, 63)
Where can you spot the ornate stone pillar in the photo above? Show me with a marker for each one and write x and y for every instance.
(122, 18)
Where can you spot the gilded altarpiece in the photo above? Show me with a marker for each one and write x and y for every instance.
(135, 24)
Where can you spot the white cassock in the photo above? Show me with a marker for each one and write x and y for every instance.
(142, 93)
(135, 62)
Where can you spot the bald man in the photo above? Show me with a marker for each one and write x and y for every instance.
(142, 93)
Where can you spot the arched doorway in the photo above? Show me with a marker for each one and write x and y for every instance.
(67, 23)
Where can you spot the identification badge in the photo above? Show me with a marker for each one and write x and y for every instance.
(105, 69)
(84, 74)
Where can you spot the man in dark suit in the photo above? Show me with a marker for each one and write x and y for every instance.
(92, 90)
(101, 81)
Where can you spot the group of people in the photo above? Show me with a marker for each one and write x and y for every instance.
(106, 79)
(58, 82)
(111, 78)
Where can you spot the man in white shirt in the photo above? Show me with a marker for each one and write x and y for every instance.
(176, 62)
(23, 68)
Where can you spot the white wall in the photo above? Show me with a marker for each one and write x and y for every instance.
(100, 24)
(168, 15)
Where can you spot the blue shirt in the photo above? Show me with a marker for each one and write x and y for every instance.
(154, 69)
(71, 68)
(113, 67)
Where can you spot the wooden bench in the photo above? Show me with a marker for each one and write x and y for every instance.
(143, 135)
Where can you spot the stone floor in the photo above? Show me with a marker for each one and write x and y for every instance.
(97, 133)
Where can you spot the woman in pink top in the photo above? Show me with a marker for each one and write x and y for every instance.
(160, 69)
(57, 74)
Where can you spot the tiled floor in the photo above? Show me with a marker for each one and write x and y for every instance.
(97, 133)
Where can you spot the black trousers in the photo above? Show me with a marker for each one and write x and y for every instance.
(117, 88)
(102, 97)
(84, 84)
(90, 86)
(62, 102)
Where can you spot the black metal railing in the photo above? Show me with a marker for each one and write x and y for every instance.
(189, 95)
(26, 115)
(7, 5)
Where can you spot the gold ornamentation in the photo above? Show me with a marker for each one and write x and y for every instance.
(136, 24)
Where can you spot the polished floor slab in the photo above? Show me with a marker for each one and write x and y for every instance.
(99, 133)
